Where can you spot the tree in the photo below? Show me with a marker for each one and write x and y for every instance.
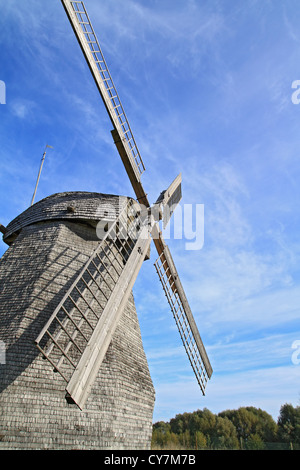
(200, 440)
(185, 439)
(289, 424)
(219, 432)
(160, 434)
(255, 442)
(265, 427)
(244, 428)
(223, 435)
(252, 421)
(243, 420)
(180, 423)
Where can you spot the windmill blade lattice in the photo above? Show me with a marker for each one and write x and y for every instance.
(77, 335)
(183, 317)
(93, 336)
(122, 134)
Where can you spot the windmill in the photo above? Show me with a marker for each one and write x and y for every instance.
(130, 249)
(67, 315)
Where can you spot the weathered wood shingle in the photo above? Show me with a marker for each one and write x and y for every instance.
(50, 248)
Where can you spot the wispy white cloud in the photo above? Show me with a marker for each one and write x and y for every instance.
(23, 109)
(206, 87)
(267, 389)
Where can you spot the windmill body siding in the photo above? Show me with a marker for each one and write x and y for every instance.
(46, 254)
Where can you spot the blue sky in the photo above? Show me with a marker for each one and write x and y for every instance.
(207, 87)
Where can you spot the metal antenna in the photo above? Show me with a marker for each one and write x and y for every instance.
(40, 170)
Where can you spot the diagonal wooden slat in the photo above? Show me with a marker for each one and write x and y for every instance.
(123, 136)
(88, 304)
(131, 158)
(182, 313)
(86, 371)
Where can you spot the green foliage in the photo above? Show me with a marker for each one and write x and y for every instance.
(289, 424)
(250, 421)
(255, 442)
(246, 428)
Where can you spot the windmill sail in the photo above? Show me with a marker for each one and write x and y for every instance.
(77, 335)
(181, 310)
(169, 199)
(122, 134)
(133, 163)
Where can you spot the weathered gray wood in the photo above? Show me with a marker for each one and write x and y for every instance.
(166, 195)
(84, 375)
(188, 311)
(169, 199)
(50, 249)
(130, 169)
(101, 78)
(3, 229)
(177, 289)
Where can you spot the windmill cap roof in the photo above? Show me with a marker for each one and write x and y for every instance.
(87, 207)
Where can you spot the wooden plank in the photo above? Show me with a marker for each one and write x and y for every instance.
(130, 168)
(3, 229)
(86, 371)
(169, 199)
(176, 286)
(127, 157)
(188, 312)
(166, 195)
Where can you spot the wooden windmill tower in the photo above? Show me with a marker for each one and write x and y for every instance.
(86, 374)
